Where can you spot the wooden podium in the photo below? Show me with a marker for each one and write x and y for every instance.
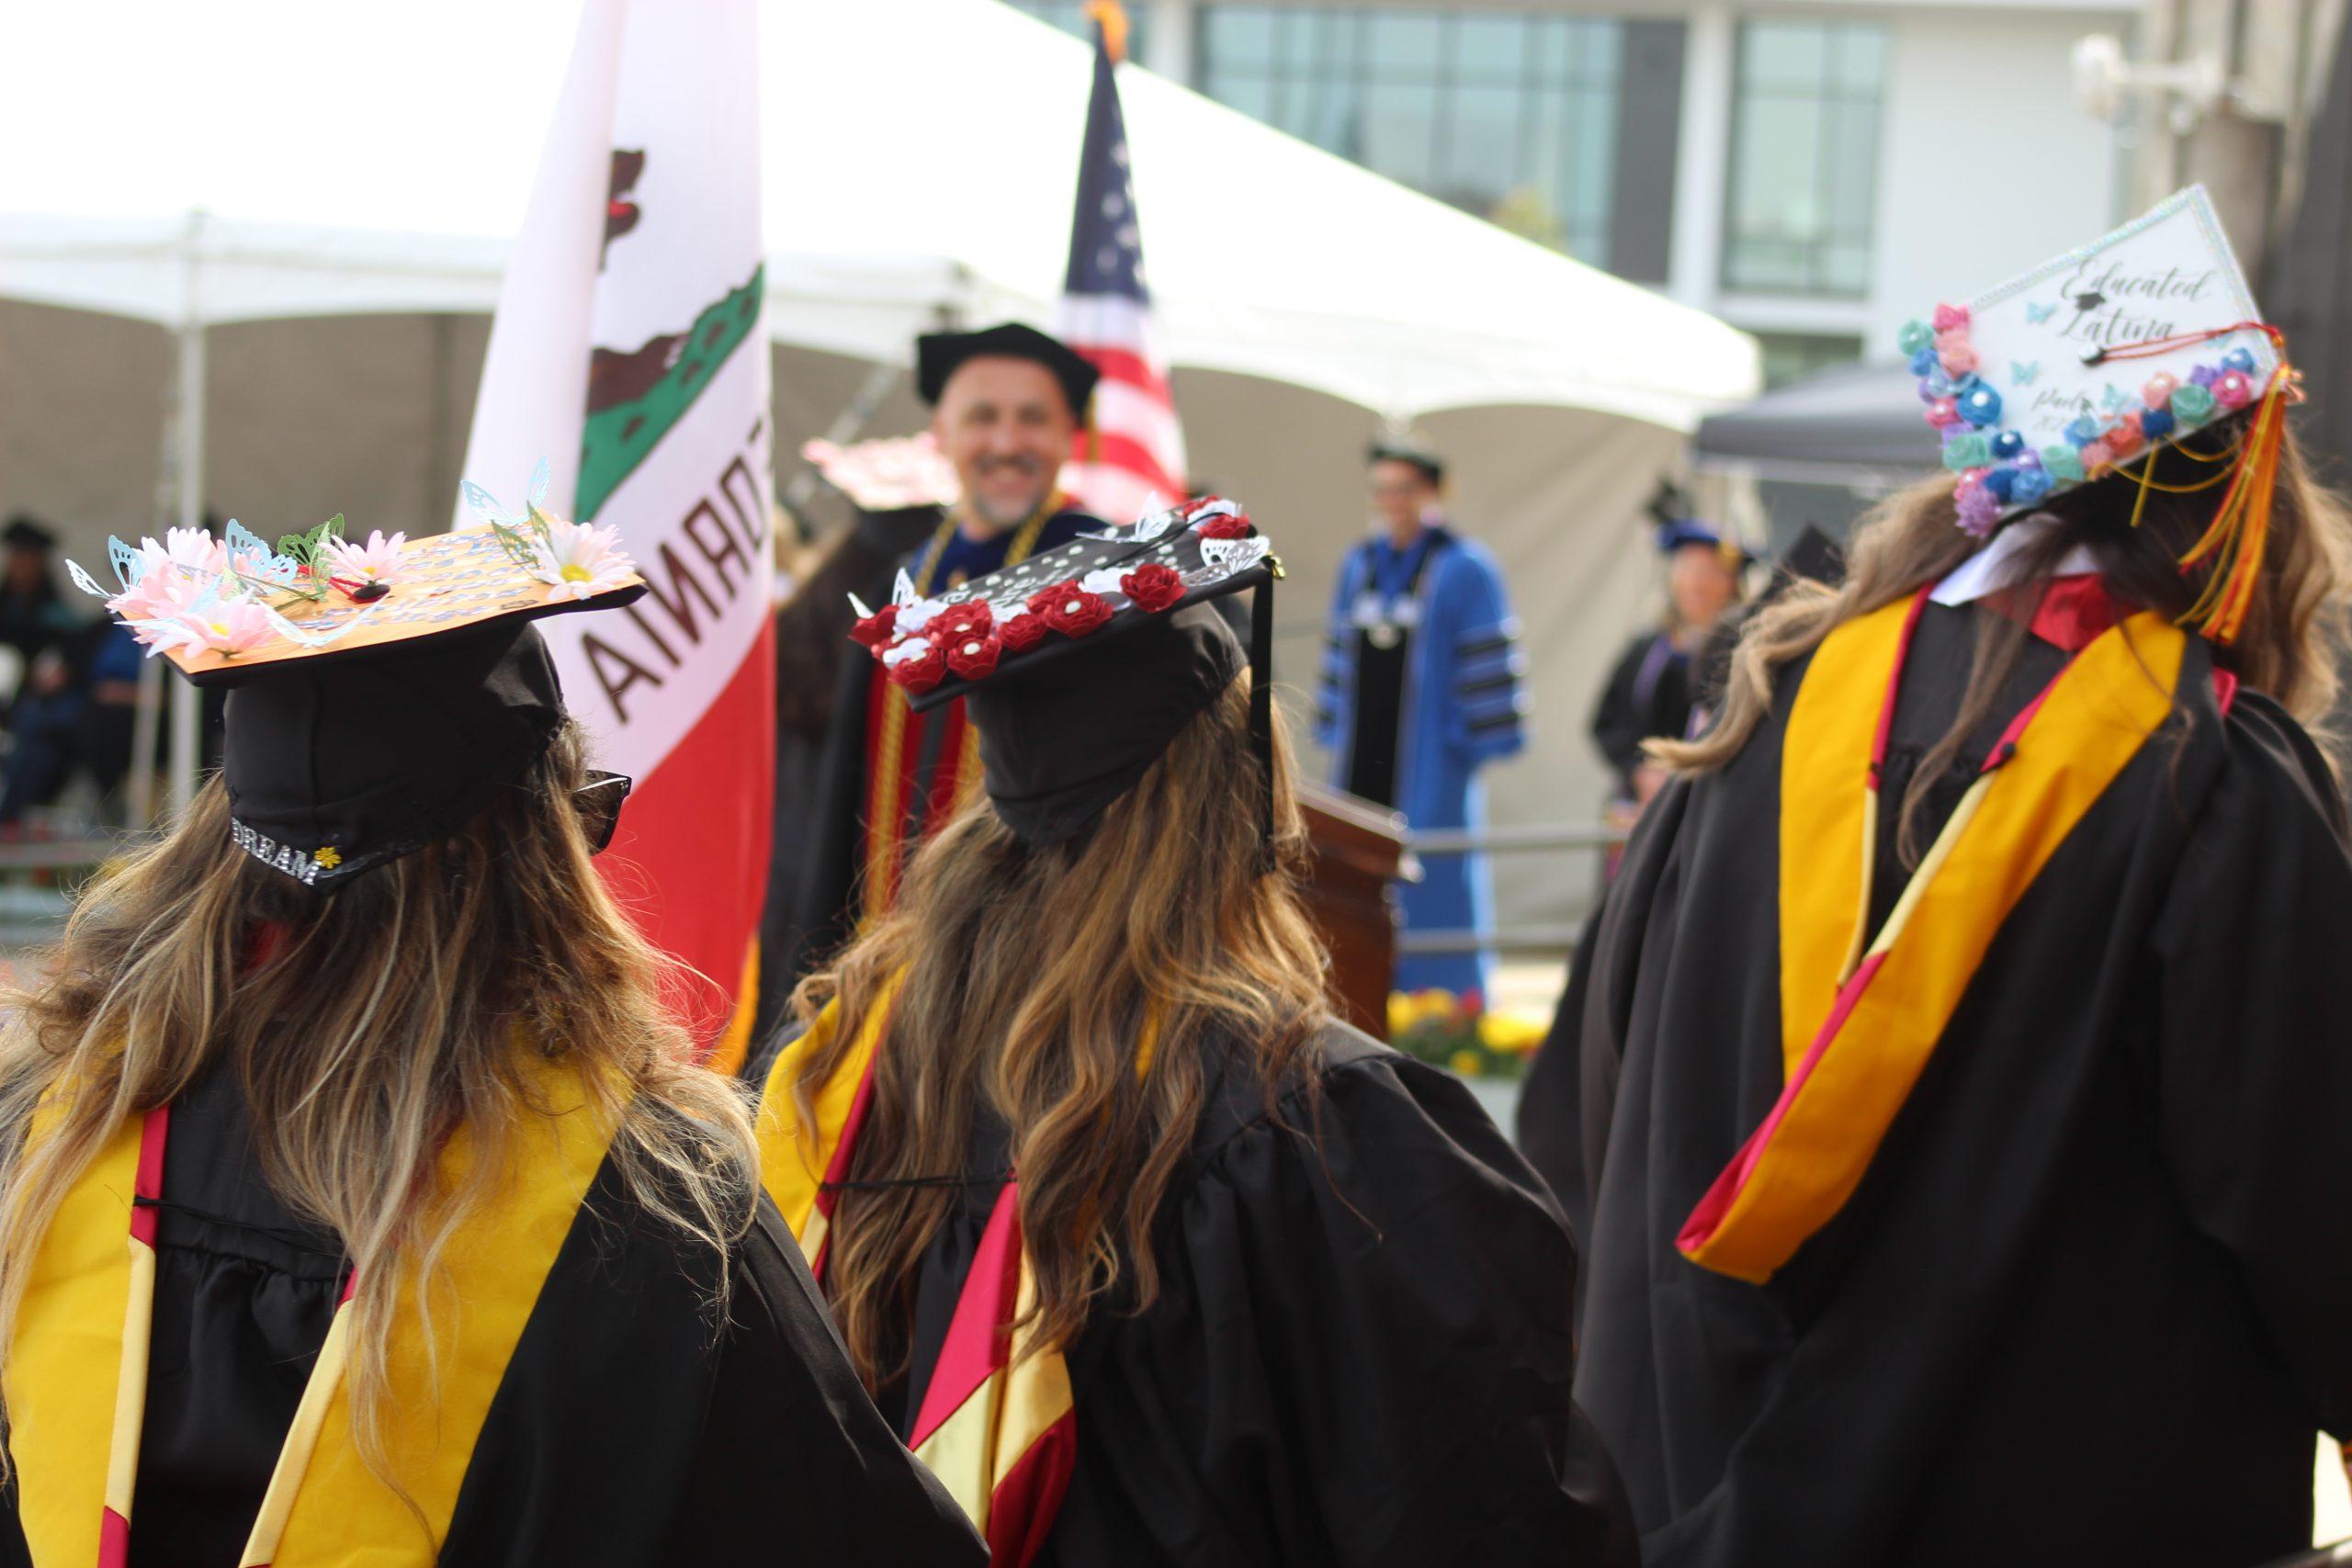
(1359, 850)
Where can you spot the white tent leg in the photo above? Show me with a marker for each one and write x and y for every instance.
(188, 421)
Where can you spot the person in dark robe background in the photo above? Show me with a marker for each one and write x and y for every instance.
(2009, 1225)
(34, 615)
(1007, 404)
(1292, 1298)
(1654, 688)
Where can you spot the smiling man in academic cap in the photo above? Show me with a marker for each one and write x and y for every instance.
(1007, 402)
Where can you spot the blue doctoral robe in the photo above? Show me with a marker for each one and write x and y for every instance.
(1463, 707)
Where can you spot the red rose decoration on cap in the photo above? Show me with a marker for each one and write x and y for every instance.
(960, 623)
(1024, 631)
(1154, 587)
(876, 630)
(974, 655)
(1223, 527)
(1070, 610)
(918, 671)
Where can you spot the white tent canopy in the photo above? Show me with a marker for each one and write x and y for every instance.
(919, 158)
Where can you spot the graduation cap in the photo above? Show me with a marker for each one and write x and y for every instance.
(1679, 532)
(1082, 663)
(2093, 361)
(938, 355)
(26, 531)
(1404, 449)
(380, 693)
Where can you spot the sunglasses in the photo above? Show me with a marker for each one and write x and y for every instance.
(599, 804)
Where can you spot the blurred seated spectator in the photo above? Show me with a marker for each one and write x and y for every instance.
(34, 616)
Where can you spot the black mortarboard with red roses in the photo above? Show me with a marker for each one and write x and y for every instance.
(1082, 663)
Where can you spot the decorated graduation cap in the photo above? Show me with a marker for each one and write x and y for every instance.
(380, 693)
(1081, 664)
(938, 355)
(2091, 363)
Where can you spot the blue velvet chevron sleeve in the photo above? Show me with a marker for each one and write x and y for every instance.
(1487, 703)
(1335, 689)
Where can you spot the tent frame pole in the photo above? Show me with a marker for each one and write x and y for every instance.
(188, 427)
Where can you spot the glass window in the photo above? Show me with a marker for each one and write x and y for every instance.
(1803, 197)
(1787, 355)
(1511, 115)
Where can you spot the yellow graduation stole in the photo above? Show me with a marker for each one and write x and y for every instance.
(997, 1424)
(77, 1375)
(1862, 1014)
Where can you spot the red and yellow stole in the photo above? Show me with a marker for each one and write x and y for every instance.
(1861, 1014)
(894, 744)
(998, 1425)
(77, 1375)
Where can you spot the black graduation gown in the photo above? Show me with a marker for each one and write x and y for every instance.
(1359, 1355)
(824, 904)
(1648, 698)
(2088, 1303)
(621, 1435)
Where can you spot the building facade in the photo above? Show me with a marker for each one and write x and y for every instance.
(1812, 173)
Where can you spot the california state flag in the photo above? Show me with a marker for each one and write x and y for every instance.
(629, 353)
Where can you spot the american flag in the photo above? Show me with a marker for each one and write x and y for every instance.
(1131, 460)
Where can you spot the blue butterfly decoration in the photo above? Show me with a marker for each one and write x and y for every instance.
(2114, 399)
(513, 529)
(2023, 375)
(2039, 313)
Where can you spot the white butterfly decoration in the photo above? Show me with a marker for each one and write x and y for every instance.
(1227, 557)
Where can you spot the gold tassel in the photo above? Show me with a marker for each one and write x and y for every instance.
(2239, 537)
(1112, 17)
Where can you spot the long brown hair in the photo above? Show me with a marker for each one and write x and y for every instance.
(400, 1008)
(2290, 648)
(1032, 979)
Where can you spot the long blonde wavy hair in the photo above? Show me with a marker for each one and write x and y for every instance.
(394, 1012)
(2291, 646)
(1032, 979)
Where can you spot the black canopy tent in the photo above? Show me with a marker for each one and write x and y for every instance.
(1822, 447)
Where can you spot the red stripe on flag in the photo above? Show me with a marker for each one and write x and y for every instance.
(1022, 1509)
(1116, 451)
(975, 1344)
(690, 862)
(1126, 365)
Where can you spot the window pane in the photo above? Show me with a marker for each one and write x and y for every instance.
(1403, 47)
(1237, 35)
(1791, 55)
(1400, 131)
(1482, 140)
(1803, 204)
(1490, 48)
(1858, 62)
(1509, 114)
